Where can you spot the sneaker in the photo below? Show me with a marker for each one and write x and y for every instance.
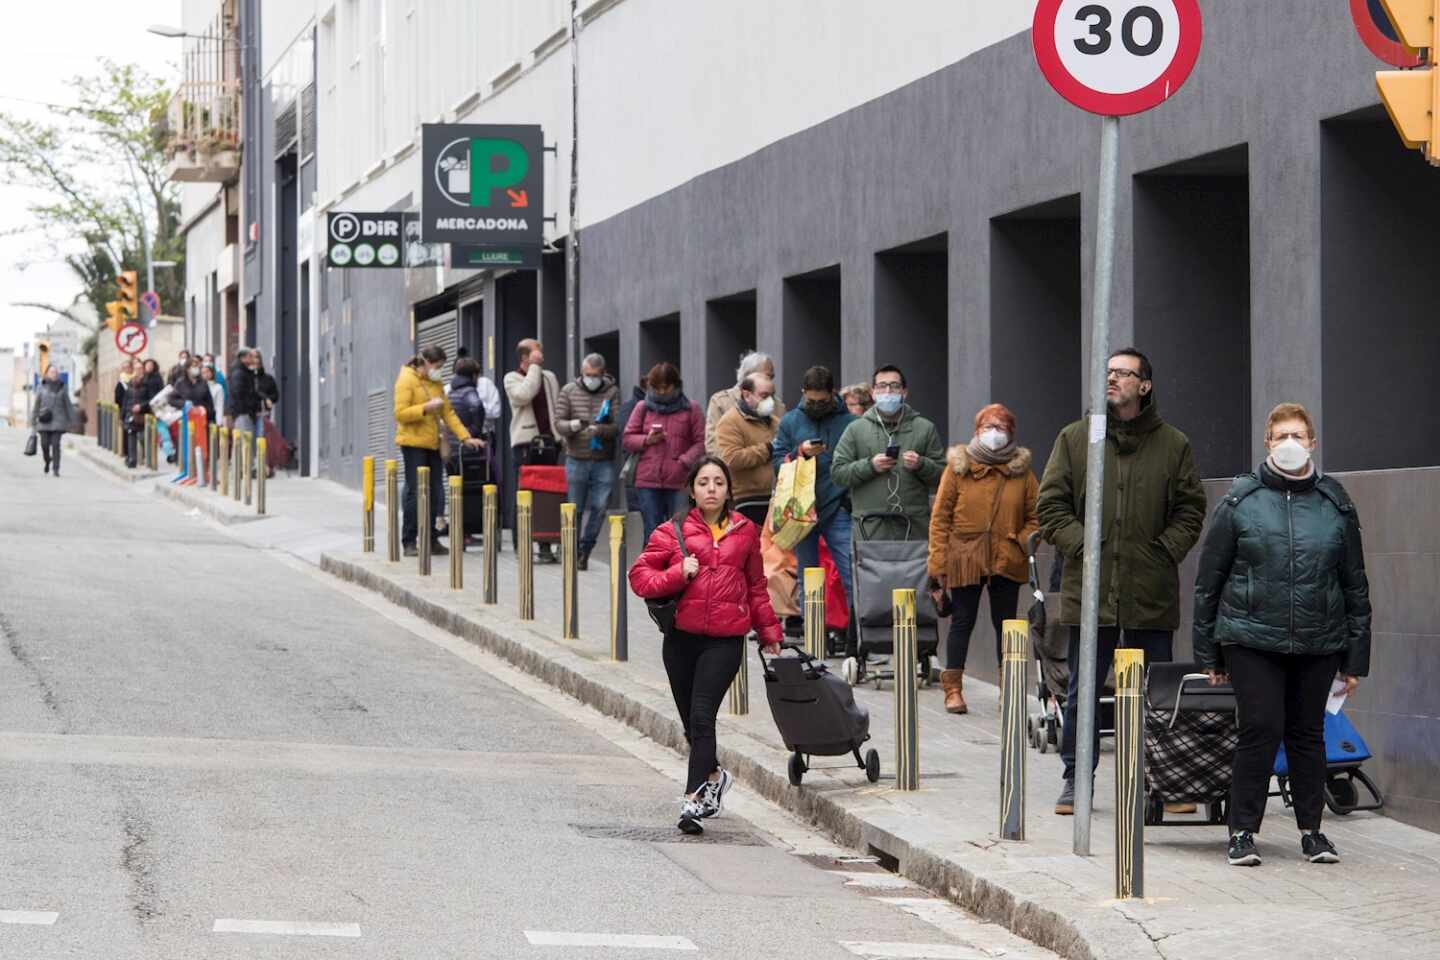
(1318, 849)
(582, 561)
(1242, 851)
(691, 813)
(712, 794)
(1065, 806)
(411, 550)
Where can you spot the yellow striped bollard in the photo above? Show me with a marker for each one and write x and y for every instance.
(740, 686)
(1014, 664)
(525, 552)
(212, 453)
(424, 522)
(151, 459)
(814, 612)
(367, 499)
(457, 533)
(490, 531)
(619, 599)
(222, 461)
(569, 573)
(392, 510)
(247, 466)
(907, 718)
(262, 446)
(1129, 774)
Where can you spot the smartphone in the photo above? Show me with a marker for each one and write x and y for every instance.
(656, 427)
(817, 442)
(893, 451)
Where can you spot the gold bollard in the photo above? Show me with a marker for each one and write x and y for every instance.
(740, 686)
(1129, 774)
(569, 573)
(907, 719)
(525, 552)
(212, 454)
(814, 612)
(247, 465)
(261, 470)
(222, 463)
(424, 523)
(116, 432)
(1014, 663)
(237, 461)
(150, 445)
(457, 533)
(490, 519)
(392, 510)
(367, 517)
(619, 599)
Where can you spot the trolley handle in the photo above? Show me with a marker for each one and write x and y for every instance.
(1180, 692)
(799, 648)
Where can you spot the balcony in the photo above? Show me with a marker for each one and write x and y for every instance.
(202, 132)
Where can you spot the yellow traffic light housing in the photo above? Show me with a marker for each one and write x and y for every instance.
(115, 318)
(1412, 97)
(128, 294)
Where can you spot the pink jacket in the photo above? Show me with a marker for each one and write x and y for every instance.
(729, 597)
(665, 465)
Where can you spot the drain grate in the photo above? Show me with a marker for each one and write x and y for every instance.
(645, 834)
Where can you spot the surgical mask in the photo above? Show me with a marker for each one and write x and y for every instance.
(591, 383)
(765, 407)
(889, 403)
(437, 375)
(994, 439)
(195, 372)
(1290, 455)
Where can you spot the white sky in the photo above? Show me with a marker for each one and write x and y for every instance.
(43, 45)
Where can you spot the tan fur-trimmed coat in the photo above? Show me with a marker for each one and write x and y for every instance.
(965, 545)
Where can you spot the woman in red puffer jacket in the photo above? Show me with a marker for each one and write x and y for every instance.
(720, 581)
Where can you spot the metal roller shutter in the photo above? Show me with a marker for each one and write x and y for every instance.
(443, 332)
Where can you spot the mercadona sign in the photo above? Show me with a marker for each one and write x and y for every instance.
(484, 184)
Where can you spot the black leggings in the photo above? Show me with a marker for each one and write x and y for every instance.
(700, 671)
(50, 446)
(1004, 593)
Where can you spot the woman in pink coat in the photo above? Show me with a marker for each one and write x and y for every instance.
(668, 433)
(720, 581)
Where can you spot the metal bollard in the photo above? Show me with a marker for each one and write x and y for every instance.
(740, 686)
(367, 521)
(457, 533)
(237, 461)
(261, 447)
(222, 461)
(212, 456)
(525, 552)
(569, 573)
(490, 521)
(1014, 672)
(115, 432)
(905, 658)
(814, 612)
(619, 599)
(392, 510)
(1129, 774)
(424, 522)
(247, 466)
(100, 414)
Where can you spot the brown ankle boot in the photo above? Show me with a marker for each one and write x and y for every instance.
(953, 682)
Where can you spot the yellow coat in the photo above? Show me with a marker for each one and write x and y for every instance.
(413, 426)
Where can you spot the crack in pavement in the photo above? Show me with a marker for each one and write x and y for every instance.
(143, 895)
(22, 657)
(1154, 940)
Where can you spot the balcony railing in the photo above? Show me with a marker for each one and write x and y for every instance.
(203, 131)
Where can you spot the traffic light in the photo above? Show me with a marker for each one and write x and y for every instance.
(1412, 97)
(127, 293)
(116, 316)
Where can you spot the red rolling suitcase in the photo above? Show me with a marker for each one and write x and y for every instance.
(548, 487)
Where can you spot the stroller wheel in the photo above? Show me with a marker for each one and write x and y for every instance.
(1343, 795)
(796, 769)
(850, 670)
(872, 765)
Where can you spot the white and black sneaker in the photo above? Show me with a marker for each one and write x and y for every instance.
(1317, 849)
(712, 794)
(1242, 852)
(691, 813)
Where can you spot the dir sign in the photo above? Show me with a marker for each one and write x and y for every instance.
(482, 184)
(364, 239)
(1117, 57)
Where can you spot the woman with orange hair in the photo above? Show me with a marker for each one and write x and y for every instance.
(984, 511)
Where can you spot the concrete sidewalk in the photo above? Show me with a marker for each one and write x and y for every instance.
(1378, 902)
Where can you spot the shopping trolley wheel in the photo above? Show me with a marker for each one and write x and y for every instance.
(872, 765)
(924, 671)
(1042, 742)
(850, 670)
(1343, 794)
(1154, 811)
(797, 769)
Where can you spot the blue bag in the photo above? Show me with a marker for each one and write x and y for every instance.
(1343, 745)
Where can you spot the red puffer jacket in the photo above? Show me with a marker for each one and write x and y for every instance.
(728, 597)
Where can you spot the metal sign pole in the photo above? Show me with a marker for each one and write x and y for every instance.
(1095, 484)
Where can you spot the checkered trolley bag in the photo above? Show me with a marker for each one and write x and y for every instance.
(1190, 741)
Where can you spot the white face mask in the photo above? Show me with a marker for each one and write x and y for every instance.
(994, 439)
(437, 375)
(765, 407)
(591, 383)
(1290, 455)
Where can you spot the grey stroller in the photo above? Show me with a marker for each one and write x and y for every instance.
(879, 568)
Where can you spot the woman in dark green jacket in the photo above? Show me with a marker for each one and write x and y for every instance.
(1282, 608)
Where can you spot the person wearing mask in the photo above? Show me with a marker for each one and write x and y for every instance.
(192, 389)
(984, 512)
(476, 401)
(744, 437)
(217, 390)
(178, 370)
(533, 392)
(723, 401)
(219, 373)
(668, 432)
(1282, 610)
(1151, 514)
(858, 398)
(51, 417)
(136, 405)
(890, 460)
(719, 579)
(420, 405)
(122, 384)
(587, 417)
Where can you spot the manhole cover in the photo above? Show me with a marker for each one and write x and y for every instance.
(604, 831)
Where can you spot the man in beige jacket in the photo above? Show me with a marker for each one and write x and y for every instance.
(534, 393)
(742, 438)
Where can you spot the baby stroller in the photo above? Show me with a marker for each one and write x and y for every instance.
(879, 568)
(816, 713)
(1345, 751)
(1190, 741)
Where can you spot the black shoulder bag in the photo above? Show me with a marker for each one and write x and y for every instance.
(662, 609)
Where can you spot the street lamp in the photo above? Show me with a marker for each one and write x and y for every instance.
(163, 30)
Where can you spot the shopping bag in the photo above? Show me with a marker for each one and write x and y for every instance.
(779, 575)
(32, 444)
(792, 508)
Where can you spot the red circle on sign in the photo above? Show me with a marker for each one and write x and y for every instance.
(1117, 104)
(131, 339)
(1388, 48)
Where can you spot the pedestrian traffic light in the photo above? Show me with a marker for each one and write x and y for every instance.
(127, 295)
(1412, 97)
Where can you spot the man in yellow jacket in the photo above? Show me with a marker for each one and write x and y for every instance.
(420, 403)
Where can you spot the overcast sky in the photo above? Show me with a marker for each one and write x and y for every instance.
(43, 45)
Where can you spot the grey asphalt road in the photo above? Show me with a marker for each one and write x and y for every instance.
(196, 733)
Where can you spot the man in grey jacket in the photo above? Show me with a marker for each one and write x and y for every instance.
(587, 417)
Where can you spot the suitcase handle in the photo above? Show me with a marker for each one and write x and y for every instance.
(1180, 692)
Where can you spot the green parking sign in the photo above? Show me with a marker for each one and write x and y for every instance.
(484, 184)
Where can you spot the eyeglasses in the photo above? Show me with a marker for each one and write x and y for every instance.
(1120, 373)
(889, 386)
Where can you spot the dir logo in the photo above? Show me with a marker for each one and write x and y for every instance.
(471, 171)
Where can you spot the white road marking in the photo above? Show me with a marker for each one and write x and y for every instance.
(39, 918)
(291, 928)
(920, 951)
(635, 941)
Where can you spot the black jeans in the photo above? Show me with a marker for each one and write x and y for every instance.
(700, 671)
(415, 458)
(1155, 643)
(1279, 696)
(50, 446)
(1004, 594)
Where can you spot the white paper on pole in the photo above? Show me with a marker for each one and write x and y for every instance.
(1097, 427)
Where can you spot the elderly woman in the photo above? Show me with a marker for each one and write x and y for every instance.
(1282, 608)
(983, 513)
(858, 398)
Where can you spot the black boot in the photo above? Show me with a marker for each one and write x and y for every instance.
(582, 561)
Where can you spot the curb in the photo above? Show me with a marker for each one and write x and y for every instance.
(111, 464)
(209, 503)
(1043, 913)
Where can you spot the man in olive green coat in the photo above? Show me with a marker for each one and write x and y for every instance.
(1153, 510)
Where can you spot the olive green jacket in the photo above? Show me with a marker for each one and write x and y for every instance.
(899, 499)
(1154, 508)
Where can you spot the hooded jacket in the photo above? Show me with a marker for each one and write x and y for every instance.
(898, 492)
(242, 399)
(578, 409)
(729, 597)
(476, 403)
(414, 427)
(1283, 570)
(1151, 517)
(981, 519)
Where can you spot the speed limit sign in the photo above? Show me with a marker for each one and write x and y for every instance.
(1117, 57)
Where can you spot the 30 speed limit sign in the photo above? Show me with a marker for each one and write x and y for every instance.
(1117, 57)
